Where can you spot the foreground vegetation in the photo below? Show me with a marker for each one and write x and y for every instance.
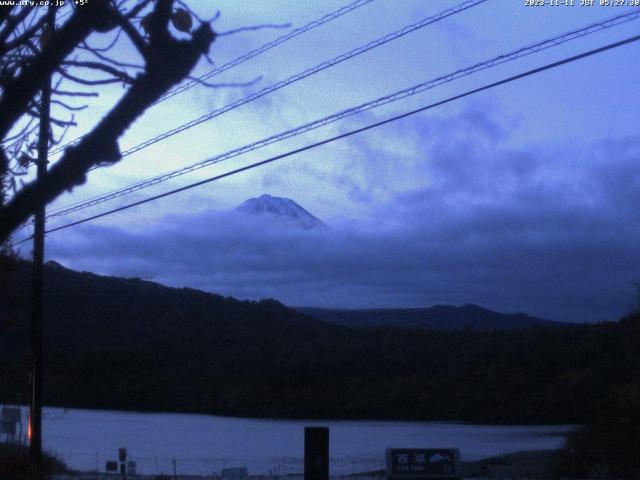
(14, 463)
(608, 445)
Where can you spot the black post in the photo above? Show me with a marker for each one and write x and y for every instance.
(316, 453)
(122, 456)
(35, 449)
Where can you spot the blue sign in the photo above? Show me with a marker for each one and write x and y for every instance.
(423, 463)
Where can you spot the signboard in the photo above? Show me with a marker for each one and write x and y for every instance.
(236, 473)
(427, 463)
(111, 467)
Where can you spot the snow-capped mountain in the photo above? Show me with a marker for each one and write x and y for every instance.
(282, 209)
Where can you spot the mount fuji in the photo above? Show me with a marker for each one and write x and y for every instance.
(281, 209)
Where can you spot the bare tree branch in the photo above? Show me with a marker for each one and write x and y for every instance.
(137, 9)
(123, 76)
(133, 34)
(68, 93)
(25, 36)
(159, 23)
(11, 23)
(63, 123)
(82, 81)
(5, 13)
(114, 62)
(225, 85)
(72, 108)
(116, 37)
(254, 28)
(21, 89)
(166, 66)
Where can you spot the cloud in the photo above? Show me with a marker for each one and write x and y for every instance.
(457, 214)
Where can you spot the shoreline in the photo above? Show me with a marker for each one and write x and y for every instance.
(487, 423)
(524, 464)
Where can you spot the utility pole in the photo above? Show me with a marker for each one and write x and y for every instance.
(35, 412)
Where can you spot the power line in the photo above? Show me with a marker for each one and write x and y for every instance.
(353, 132)
(304, 74)
(267, 46)
(519, 53)
(249, 55)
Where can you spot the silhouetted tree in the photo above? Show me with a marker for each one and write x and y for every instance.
(31, 52)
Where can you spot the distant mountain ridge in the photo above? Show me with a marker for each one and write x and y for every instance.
(438, 317)
(126, 343)
(281, 208)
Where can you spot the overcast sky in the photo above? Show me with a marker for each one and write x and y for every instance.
(523, 198)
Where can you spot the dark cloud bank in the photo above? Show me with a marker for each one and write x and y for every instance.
(552, 233)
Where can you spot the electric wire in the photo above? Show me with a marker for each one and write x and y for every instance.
(267, 46)
(247, 56)
(311, 146)
(495, 61)
(304, 74)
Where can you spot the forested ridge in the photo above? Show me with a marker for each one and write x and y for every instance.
(131, 344)
(438, 317)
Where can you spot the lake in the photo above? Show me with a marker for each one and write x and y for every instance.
(203, 444)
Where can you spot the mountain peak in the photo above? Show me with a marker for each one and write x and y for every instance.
(282, 208)
(54, 265)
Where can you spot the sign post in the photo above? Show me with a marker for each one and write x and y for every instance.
(122, 457)
(423, 463)
(316, 453)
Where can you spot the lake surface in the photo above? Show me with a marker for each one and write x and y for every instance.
(203, 444)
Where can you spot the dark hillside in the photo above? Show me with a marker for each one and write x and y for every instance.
(439, 317)
(130, 344)
(89, 312)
